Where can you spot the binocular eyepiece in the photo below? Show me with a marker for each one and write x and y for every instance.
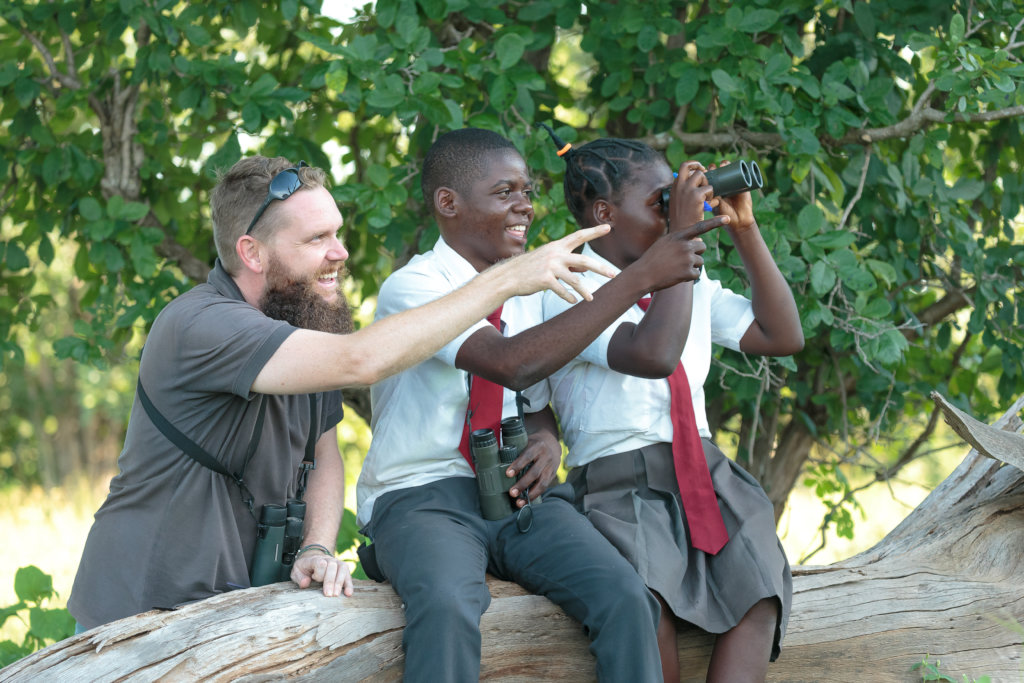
(491, 463)
(278, 536)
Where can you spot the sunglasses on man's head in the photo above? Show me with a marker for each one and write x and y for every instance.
(282, 186)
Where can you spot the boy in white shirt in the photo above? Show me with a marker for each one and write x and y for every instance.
(417, 493)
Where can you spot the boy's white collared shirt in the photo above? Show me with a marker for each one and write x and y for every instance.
(418, 414)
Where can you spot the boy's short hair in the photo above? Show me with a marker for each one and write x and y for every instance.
(457, 158)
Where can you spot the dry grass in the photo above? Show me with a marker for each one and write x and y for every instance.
(45, 528)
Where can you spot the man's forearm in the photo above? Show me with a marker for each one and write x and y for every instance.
(325, 494)
(314, 361)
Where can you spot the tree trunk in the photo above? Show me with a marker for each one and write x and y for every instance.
(944, 584)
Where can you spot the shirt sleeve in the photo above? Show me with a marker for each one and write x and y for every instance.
(411, 287)
(597, 351)
(731, 316)
(212, 344)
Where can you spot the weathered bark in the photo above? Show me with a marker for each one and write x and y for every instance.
(945, 583)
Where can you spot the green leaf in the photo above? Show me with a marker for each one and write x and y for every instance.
(865, 19)
(54, 166)
(534, 11)
(322, 42)
(758, 20)
(385, 99)
(405, 28)
(878, 307)
(957, 28)
(264, 85)
(823, 278)
(686, 89)
(142, 256)
(133, 211)
(51, 625)
(15, 257)
(804, 141)
(378, 175)
(115, 207)
(457, 120)
(25, 90)
(834, 239)
(724, 81)
(289, 9)
(225, 157)
(857, 277)
(90, 209)
(45, 250)
(882, 270)
(647, 39)
(510, 48)
(197, 35)
(810, 220)
(501, 92)
(31, 584)
(967, 189)
(891, 346)
(337, 76)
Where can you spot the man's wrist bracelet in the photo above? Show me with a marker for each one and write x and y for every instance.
(313, 546)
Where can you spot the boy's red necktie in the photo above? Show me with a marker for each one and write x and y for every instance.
(485, 402)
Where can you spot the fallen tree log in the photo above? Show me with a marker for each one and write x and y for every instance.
(946, 584)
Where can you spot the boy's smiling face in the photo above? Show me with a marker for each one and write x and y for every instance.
(492, 217)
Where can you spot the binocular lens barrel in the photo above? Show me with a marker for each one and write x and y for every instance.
(492, 484)
(732, 179)
(507, 454)
(296, 508)
(513, 433)
(292, 541)
(484, 445)
(755, 175)
(266, 558)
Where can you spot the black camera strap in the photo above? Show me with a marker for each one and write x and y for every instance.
(309, 458)
(197, 453)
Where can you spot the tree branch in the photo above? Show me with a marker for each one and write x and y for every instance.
(66, 80)
(915, 121)
(860, 188)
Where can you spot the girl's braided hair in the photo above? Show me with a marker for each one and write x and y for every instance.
(598, 169)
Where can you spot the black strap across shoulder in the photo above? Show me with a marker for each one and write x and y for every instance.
(197, 453)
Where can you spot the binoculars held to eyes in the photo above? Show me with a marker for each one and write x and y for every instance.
(277, 540)
(731, 179)
(491, 463)
(728, 180)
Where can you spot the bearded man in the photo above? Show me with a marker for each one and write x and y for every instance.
(239, 393)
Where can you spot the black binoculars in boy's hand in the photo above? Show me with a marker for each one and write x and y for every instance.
(492, 462)
(727, 180)
(277, 540)
(731, 179)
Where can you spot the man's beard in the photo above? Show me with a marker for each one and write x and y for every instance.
(296, 302)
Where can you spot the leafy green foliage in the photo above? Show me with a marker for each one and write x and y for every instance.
(46, 625)
(349, 539)
(889, 134)
(930, 672)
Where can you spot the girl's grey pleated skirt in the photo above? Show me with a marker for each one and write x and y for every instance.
(633, 499)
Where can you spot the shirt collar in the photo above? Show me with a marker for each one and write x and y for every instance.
(223, 282)
(458, 268)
